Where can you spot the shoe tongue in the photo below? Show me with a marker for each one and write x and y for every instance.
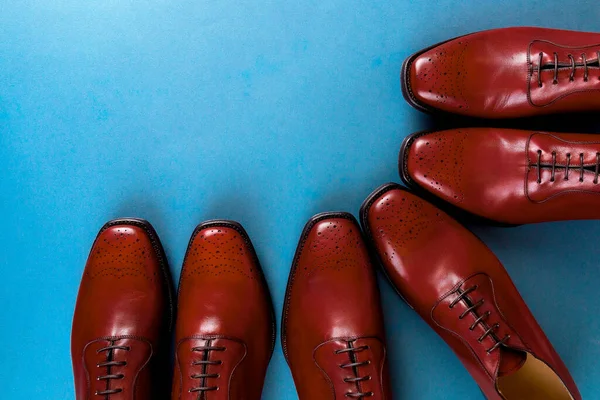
(510, 361)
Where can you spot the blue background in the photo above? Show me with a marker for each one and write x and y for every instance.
(261, 111)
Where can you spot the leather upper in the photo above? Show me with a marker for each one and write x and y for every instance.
(225, 332)
(332, 333)
(122, 316)
(510, 176)
(442, 270)
(508, 72)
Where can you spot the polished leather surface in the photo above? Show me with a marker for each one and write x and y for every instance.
(508, 72)
(225, 331)
(332, 315)
(122, 316)
(494, 173)
(441, 269)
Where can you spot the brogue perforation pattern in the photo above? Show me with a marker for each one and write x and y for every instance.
(334, 248)
(120, 255)
(440, 161)
(216, 252)
(444, 75)
(409, 217)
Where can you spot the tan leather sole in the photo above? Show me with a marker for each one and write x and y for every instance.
(534, 381)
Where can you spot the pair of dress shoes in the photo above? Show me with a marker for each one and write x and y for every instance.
(124, 317)
(332, 326)
(504, 175)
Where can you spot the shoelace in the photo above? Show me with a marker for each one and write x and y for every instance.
(585, 64)
(472, 306)
(108, 364)
(567, 167)
(205, 362)
(354, 365)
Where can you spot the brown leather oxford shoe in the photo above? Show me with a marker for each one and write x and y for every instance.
(462, 291)
(123, 315)
(509, 72)
(508, 176)
(332, 330)
(225, 329)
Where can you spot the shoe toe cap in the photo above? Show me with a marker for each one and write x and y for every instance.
(222, 290)
(124, 251)
(438, 78)
(122, 290)
(434, 161)
(333, 291)
(220, 252)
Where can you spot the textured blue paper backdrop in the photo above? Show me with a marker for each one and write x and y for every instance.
(261, 111)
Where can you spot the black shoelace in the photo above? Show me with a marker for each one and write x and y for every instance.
(582, 168)
(108, 364)
(354, 365)
(205, 362)
(572, 64)
(472, 307)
